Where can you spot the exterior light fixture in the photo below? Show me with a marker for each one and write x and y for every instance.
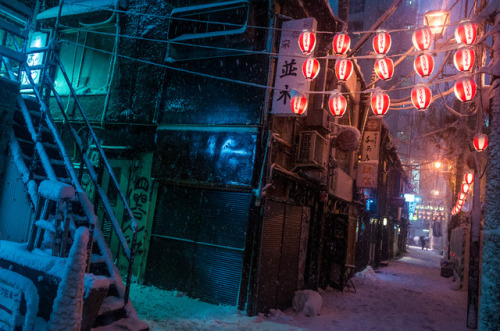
(437, 21)
(464, 59)
(466, 32)
(337, 104)
(343, 69)
(310, 68)
(384, 68)
(465, 88)
(341, 43)
(384, 221)
(469, 177)
(382, 42)
(480, 142)
(465, 188)
(424, 64)
(437, 164)
(422, 38)
(421, 97)
(307, 42)
(380, 103)
(298, 102)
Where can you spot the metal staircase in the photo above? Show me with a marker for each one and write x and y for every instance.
(41, 158)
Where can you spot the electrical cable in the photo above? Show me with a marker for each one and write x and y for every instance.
(451, 78)
(170, 17)
(252, 52)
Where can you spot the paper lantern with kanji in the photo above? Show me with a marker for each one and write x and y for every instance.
(384, 68)
(464, 59)
(310, 68)
(422, 38)
(466, 33)
(337, 104)
(421, 97)
(307, 42)
(382, 42)
(465, 188)
(380, 103)
(480, 142)
(424, 65)
(469, 177)
(298, 102)
(465, 88)
(343, 69)
(341, 43)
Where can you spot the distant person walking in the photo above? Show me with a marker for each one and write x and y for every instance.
(422, 241)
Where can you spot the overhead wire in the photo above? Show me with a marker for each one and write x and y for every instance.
(170, 17)
(253, 52)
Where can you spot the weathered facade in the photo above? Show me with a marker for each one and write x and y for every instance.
(235, 202)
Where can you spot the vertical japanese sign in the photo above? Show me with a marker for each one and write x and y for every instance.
(289, 68)
(371, 140)
(367, 174)
(368, 167)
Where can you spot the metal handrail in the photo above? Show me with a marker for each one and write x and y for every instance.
(129, 252)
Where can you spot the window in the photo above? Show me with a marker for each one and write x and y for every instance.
(210, 20)
(87, 67)
(356, 6)
(219, 24)
(355, 26)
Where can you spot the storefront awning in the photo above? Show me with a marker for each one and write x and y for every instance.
(79, 7)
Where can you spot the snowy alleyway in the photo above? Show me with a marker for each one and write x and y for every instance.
(408, 294)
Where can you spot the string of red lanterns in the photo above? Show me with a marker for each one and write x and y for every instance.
(421, 95)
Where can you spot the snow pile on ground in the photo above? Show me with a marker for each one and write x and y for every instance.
(366, 275)
(409, 294)
(308, 302)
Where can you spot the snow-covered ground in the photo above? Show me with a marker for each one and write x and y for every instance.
(409, 294)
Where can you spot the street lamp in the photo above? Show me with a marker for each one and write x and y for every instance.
(437, 20)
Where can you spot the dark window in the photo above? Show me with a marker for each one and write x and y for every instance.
(355, 26)
(210, 20)
(356, 6)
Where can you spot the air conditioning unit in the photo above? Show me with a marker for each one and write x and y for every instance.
(317, 119)
(313, 150)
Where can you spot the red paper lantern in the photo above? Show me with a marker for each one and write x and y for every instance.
(465, 188)
(310, 68)
(465, 88)
(462, 196)
(384, 68)
(307, 42)
(464, 59)
(341, 43)
(343, 69)
(424, 65)
(380, 103)
(298, 102)
(382, 42)
(480, 142)
(422, 38)
(337, 104)
(466, 33)
(469, 177)
(421, 97)
(460, 202)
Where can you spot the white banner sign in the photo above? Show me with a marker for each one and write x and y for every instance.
(289, 68)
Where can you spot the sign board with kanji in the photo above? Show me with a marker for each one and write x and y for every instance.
(371, 141)
(367, 174)
(289, 68)
(10, 303)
